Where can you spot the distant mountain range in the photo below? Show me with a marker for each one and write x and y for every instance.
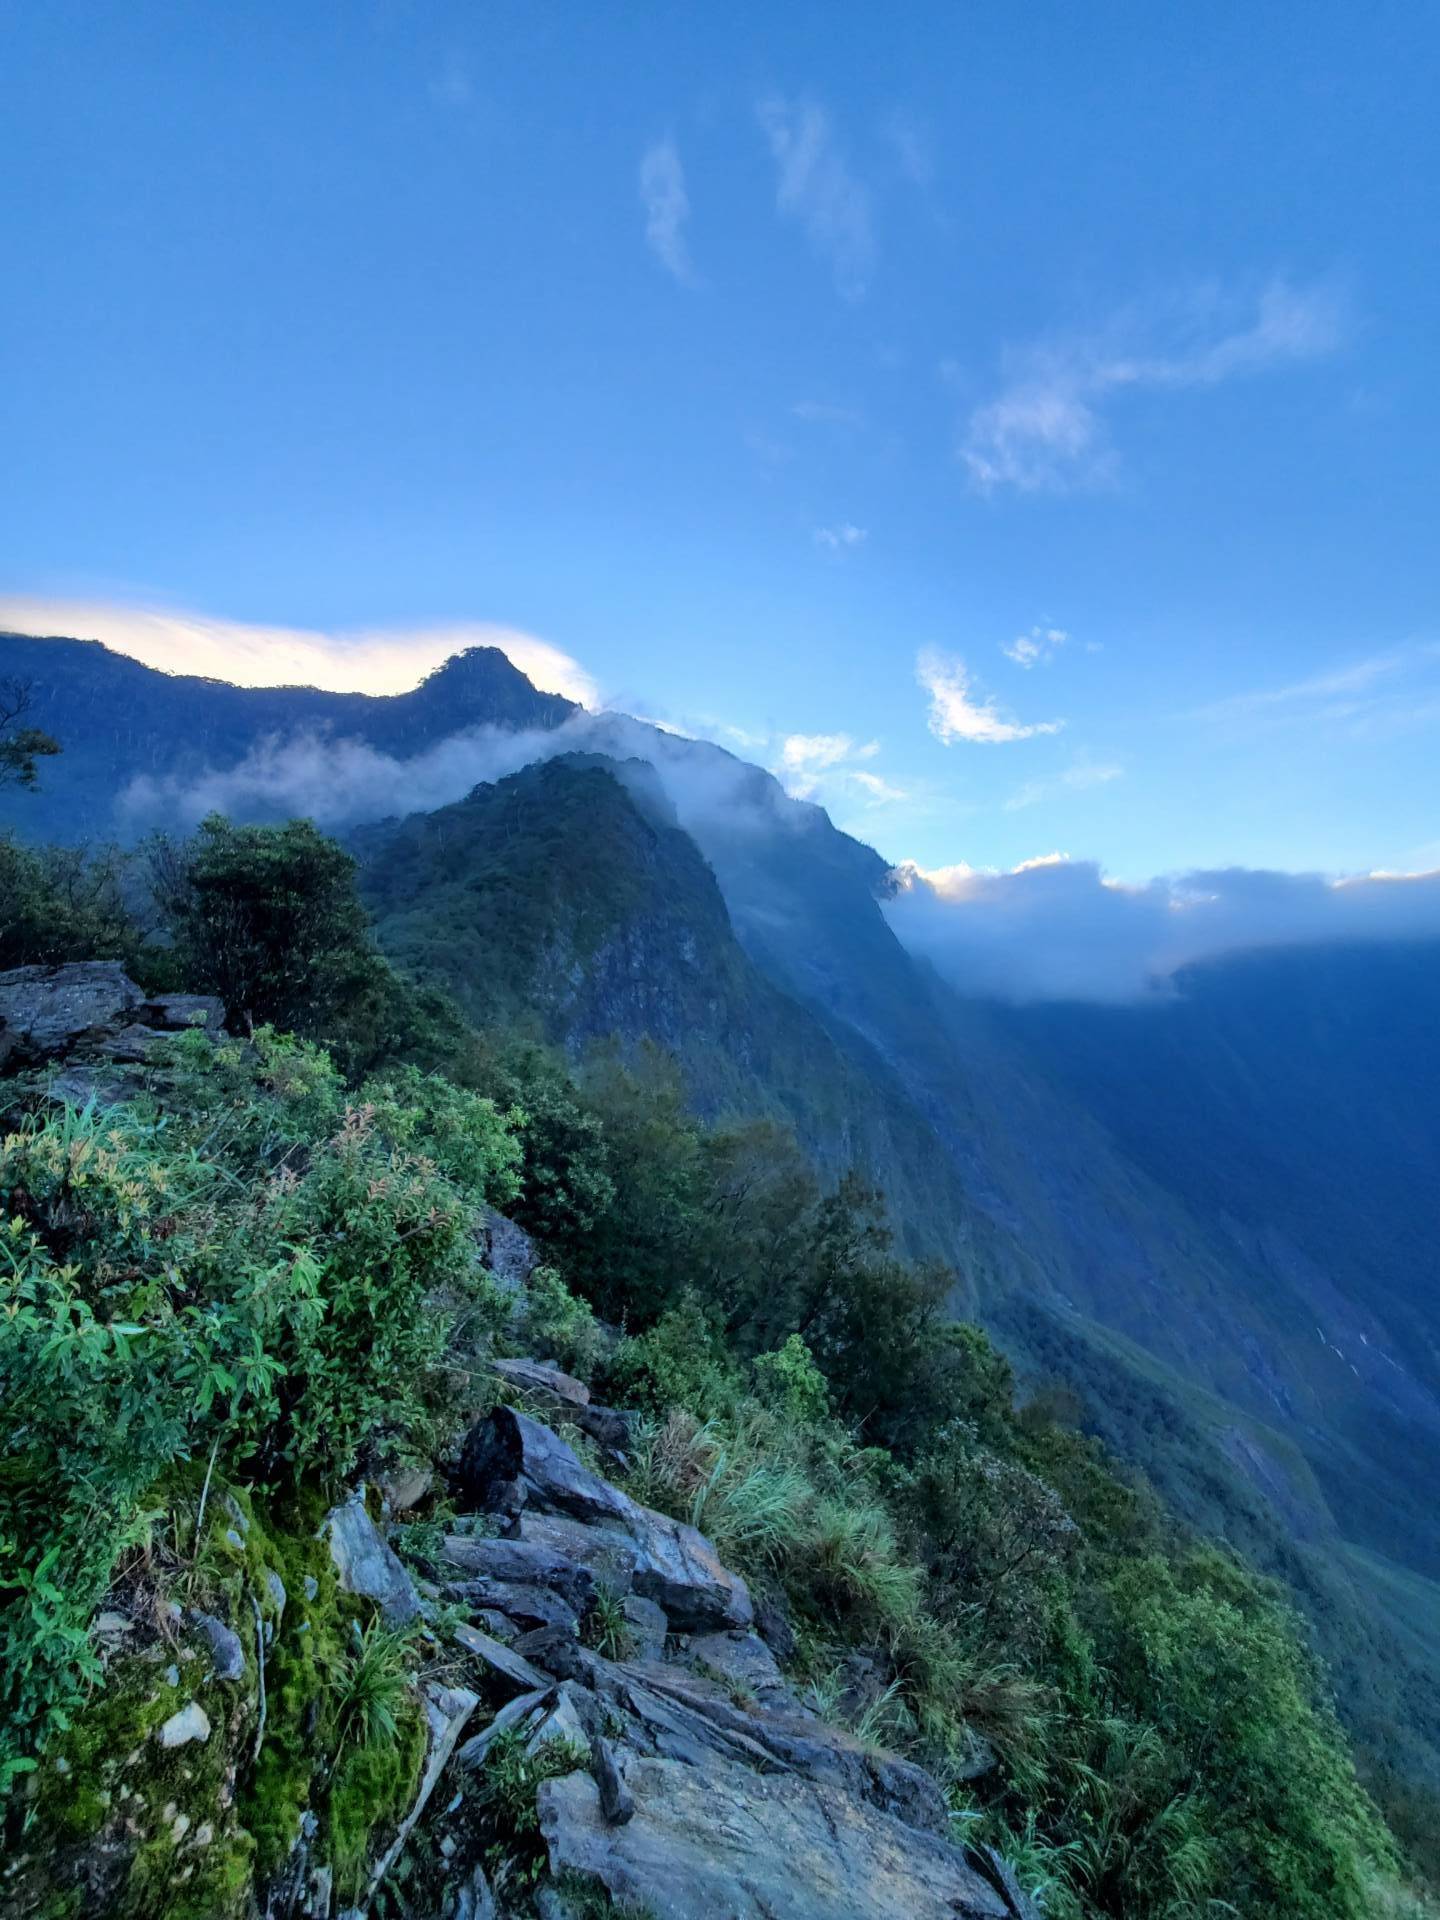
(1212, 1215)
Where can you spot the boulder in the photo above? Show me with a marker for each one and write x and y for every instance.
(510, 1460)
(511, 1463)
(607, 1553)
(365, 1565)
(781, 1737)
(772, 1623)
(617, 1803)
(529, 1606)
(612, 1428)
(46, 1011)
(179, 1012)
(648, 1626)
(556, 1650)
(723, 1843)
(402, 1488)
(677, 1568)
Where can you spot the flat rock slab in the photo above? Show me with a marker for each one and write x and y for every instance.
(538, 1376)
(505, 1672)
(721, 1843)
(736, 1659)
(531, 1561)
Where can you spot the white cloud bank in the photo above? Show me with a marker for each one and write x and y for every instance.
(1057, 929)
(376, 660)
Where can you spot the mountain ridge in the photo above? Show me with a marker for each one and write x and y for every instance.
(1185, 1332)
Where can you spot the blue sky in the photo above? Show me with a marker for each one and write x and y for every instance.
(1018, 426)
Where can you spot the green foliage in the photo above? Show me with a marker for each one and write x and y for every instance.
(64, 903)
(556, 1325)
(605, 1627)
(504, 1798)
(256, 1272)
(791, 1382)
(269, 919)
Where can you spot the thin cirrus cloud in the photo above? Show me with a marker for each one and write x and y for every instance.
(1077, 779)
(814, 186)
(377, 660)
(667, 210)
(1374, 697)
(1048, 427)
(843, 538)
(957, 713)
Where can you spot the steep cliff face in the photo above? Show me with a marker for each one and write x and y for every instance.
(568, 896)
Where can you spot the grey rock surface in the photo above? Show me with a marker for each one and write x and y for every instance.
(46, 1011)
(508, 1250)
(723, 1843)
(366, 1565)
(227, 1655)
(504, 1672)
(539, 1377)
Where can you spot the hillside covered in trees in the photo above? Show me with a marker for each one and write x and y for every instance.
(254, 1265)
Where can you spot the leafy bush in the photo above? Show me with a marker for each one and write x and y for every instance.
(255, 1274)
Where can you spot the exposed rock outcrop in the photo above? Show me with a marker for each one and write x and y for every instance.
(90, 1009)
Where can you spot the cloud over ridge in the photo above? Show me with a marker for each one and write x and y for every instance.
(1058, 929)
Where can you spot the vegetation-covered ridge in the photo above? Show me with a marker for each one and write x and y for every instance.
(238, 1277)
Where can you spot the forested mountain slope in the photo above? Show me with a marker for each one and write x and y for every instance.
(1213, 1217)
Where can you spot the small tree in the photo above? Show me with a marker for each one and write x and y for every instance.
(20, 746)
(268, 918)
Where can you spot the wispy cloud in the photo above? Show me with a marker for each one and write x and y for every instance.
(913, 146)
(1076, 779)
(819, 413)
(1047, 429)
(881, 792)
(452, 86)
(1040, 643)
(842, 538)
(667, 209)
(805, 756)
(383, 660)
(816, 187)
(956, 713)
(835, 767)
(1381, 693)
